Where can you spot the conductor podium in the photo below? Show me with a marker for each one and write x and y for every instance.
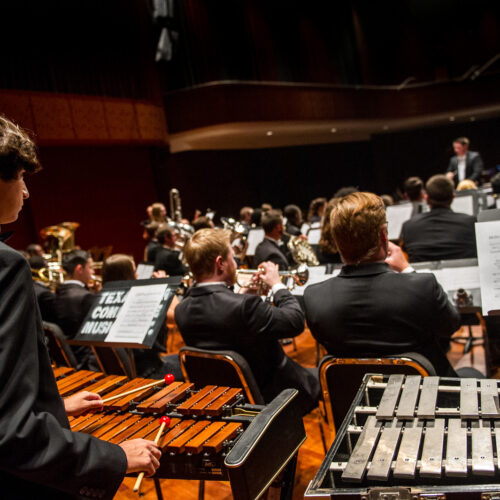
(213, 433)
(408, 437)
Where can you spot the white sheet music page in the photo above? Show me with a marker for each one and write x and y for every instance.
(461, 277)
(463, 204)
(397, 215)
(137, 314)
(255, 236)
(488, 255)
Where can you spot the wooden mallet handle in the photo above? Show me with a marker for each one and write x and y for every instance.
(168, 379)
(164, 422)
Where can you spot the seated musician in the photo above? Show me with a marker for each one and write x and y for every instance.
(212, 316)
(273, 248)
(246, 217)
(39, 456)
(376, 306)
(152, 246)
(413, 189)
(294, 221)
(327, 251)
(149, 363)
(440, 234)
(167, 257)
(74, 300)
(45, 298)
(316, 210)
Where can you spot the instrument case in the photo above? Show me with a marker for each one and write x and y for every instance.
(410, 438)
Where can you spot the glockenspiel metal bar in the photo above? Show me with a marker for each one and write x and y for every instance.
(489, 398)
(390, 397)
(407, 459)
(432, 453)
(456, 449)
(428, 397)
(482, 452)
(384, 453)
(442, 388)
(356, 467)
(469, 407)
(411, 388)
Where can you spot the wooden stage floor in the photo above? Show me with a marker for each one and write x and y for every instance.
(311, 453)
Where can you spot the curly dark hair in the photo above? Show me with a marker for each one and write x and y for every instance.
(17, 151)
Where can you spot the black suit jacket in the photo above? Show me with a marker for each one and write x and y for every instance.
(46, 300)
(168, 260)
(268, 250)
(440, 234)
(151, 251)
(369, 310)
(473, 166)
(214, 317)
(39, 456)
(73, 302)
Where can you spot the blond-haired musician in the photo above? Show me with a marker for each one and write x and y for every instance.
(375, 307)
(212, 316)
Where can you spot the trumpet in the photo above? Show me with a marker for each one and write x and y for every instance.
(291, 279)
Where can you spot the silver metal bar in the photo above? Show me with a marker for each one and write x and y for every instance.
(489, 398)
(356, 466)
(386, 448)
(432, 453)
(390, 397)
(428, 397)
(406, 407)
(406, 461)
(469, 407)
(482, 452)
(456, 449)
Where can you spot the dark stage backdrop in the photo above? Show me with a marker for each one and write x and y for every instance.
(105, 189)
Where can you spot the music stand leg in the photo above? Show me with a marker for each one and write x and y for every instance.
(201, 490)
(159, 494)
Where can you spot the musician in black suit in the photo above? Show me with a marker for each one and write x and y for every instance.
(167, 258)
(440, 234)
(39, 456)
(465, 164)
(212, 316)
(273, 247)
(374, 308)
(294, 221)
(44, 296)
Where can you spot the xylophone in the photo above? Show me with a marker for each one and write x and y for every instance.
(413, 437)
(213, 433)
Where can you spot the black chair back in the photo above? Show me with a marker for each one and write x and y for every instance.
(225, 368)
(60, 352)
(114, 361)
(341, 378)
(489, 215)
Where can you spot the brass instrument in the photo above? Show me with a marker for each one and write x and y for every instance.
(175, 205)
(291, 279)
(51, 275)
(302, 252)
(238, 230)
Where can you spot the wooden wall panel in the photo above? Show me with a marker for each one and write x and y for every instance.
(66, 119)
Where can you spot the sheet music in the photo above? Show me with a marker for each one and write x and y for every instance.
(453, 278)
(396, 216)
(304, 228)
(488, 255)
(137, 314)
(313, 236)
(145, 271)
(463, 204)
(255, 236)
(317, 274)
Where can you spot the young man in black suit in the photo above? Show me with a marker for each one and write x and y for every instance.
(376, 306)
(273, 247)
(212, 316)
(39, 455)
(167, 257)
(440, 234)
(465, 164)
